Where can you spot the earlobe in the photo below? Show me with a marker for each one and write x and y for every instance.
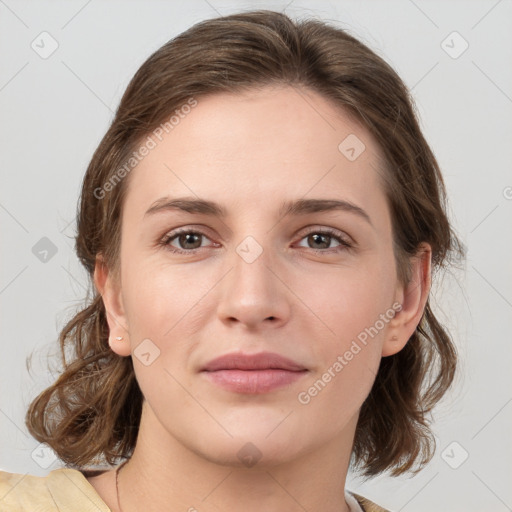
(412, 298)
(109, 288)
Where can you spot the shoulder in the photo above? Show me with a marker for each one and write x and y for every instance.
(62, 490)
(367, 505)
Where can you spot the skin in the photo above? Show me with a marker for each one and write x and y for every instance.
(249, 152)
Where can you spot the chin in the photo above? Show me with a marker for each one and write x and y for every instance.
(246, 454)
(254, 446)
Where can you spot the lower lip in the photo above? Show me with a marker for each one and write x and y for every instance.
(253, 381)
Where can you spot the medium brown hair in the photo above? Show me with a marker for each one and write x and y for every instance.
(92, 412)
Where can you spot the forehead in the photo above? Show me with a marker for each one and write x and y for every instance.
(247, 149)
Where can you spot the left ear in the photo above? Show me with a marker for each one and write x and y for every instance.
(413, 298)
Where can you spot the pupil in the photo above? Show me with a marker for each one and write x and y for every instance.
(186, 238)
(317, 236)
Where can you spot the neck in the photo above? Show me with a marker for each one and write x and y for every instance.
(163, 474)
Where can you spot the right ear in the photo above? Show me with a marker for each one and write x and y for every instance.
(109, 288)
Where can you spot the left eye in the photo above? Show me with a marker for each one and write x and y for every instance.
(190, 241)
(318, 237)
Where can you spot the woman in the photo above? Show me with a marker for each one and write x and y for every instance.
(261, 222)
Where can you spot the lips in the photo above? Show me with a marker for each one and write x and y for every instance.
(260, 361)
(253, 373)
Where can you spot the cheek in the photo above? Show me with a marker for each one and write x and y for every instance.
(351, 299)
(357, 309)
(356, 306)
(163, 300)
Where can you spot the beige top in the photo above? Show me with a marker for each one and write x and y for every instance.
(68, 490)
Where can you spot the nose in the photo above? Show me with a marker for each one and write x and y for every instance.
(253, 293)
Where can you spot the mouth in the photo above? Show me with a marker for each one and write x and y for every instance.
(253, 373)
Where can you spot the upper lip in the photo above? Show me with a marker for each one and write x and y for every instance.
(260, 361)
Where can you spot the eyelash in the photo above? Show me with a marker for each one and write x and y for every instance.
(169, 237)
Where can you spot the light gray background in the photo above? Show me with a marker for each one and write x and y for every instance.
(54, 112)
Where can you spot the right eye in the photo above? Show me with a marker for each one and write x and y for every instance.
(185, 238)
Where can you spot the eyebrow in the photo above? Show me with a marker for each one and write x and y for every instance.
(297, 207)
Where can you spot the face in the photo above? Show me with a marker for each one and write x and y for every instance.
(315, 285)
